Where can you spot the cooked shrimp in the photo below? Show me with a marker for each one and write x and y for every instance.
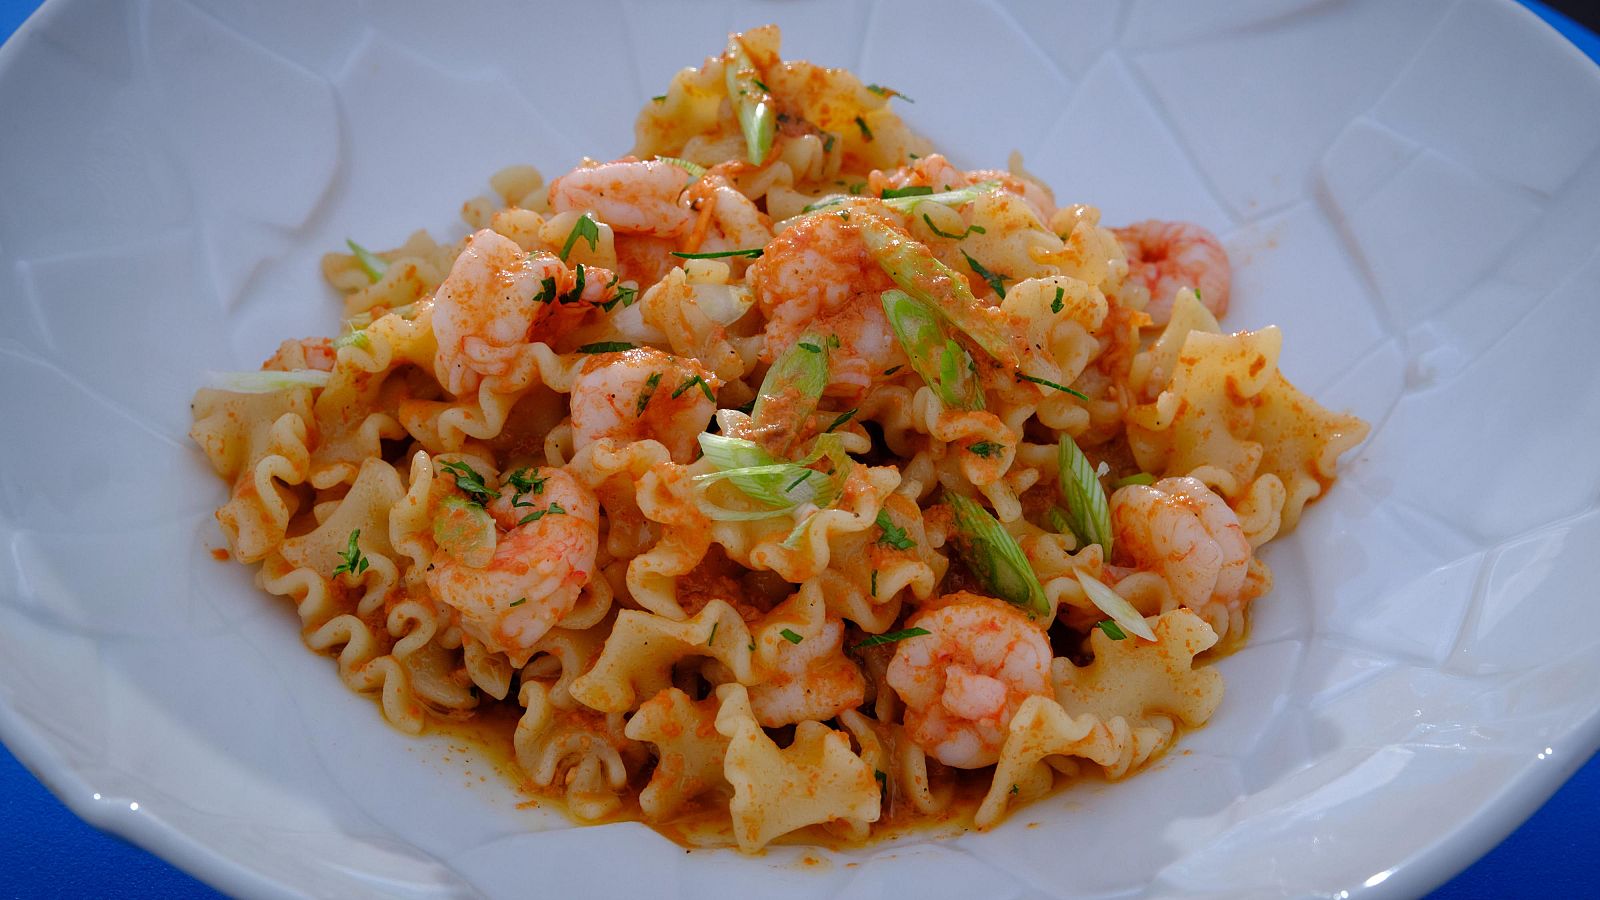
(817, 276)
(643, 394)
(814, 681)
(1183, 532)
(732, 221)
(538, 569)
(487, 308)
(632, 196)
(963, 681)
(1166, 256)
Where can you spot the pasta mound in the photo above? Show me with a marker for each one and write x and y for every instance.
(780, 470)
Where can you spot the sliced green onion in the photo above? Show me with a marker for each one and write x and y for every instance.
(1058, 520)
(1111, 603)
(362, 319)
(915, 269)
(266, 381)
(915, 190)
(465, 530)
(890, 638)
(790, 391)
(1144, 478)
(1088, 513)
(1111, 630)
(353, 339)
(790, 636)
(779, 486)
(945, 366)
(757, 117)
(370, 263)
(694, 169)
(995, 557)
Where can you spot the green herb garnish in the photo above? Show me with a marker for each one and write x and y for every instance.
(986, 449)
(353, 561)
(791, 637)
(866, 133)
(1051, 384)
(650, 385)
(843, 417)
(893, 535)
(1057, 304)
(714, 626)
(470, 482)
(606, 347)
(518, 602)
(1112, 631)
(996, 282)
(553, 509)
(752, 253)
(1144, 478)
(882, 91)
(915, 190)
(693, 381)
(585, 228)
(891, 637)
(971, 229)
(370, 263)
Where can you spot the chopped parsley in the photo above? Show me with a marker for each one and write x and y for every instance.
(606, 347)
(585, 228)
(866, 133)
(1014, 789)
(986, 449)
(892, 637)
(996, 282)
(519, 601)
(470, 482)
(883, 779)
(695, 380)
(791, 637)
(915, 190)
(757, 82)
(751, 252)
(524, 485)
(547, 290)
(1056, 304)
(892, 369)
(807, 345)
(1138, 478)
(659, 98)
(1112, 630)
(625, 295)
(650, 385)
(796, 483)
(553, 509)
(844, 417)
(827, 144)
(971, 229)
(353, 561)
(1051, 384)
(713, 636)
(576, 294)
(893, 535)
(858, 187)
(874, 591)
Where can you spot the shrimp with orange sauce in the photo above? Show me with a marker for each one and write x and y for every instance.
(643, 394)
(494, 300)
(631, 195)
(546, 538)
(1182, 531)
(1167, 256)
(818, 276)
(936, 172)
(964, 680)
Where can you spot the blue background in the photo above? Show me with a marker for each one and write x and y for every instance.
(47, 851)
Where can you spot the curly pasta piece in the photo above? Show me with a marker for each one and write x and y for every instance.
(799, 651)
(642, 648)
(1137, 679)
(817, 778)
(585, 750)
(690, 751)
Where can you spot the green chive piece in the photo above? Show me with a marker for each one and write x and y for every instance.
(892, 637)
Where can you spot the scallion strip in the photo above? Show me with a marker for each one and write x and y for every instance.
(1088, 512)
(995, 557)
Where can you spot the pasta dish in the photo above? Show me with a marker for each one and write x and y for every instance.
(779, 472)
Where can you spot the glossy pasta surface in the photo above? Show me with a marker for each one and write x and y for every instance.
(782, 475)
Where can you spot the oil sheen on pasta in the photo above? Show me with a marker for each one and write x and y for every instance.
(779, 480)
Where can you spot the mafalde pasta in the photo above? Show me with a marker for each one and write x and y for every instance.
(780, 476)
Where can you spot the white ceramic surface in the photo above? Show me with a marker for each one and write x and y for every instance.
(1411, 189)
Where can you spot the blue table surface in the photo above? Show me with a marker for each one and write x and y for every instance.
(47, 851)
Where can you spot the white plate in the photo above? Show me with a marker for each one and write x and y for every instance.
(1411, 190)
